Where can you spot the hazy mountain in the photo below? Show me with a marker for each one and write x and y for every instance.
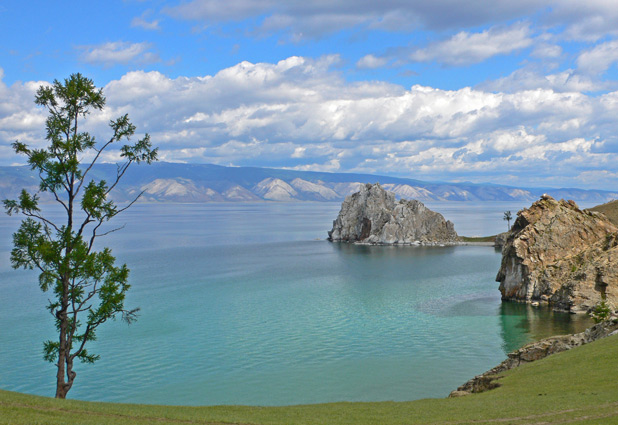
(167, 182)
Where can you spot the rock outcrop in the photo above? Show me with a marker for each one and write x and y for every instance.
(536, 351)
(500, 239)
(560, 255)
(373, 216)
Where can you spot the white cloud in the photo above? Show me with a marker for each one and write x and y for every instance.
(141, 22)
(298, 113)
(584, 20)
(546, 51)
(598, 59)
(467, 48)
(370, 61)
(463, 48)
(118, 52)
(314, 19)
(580, 20)
(531, 78)
(331, 166)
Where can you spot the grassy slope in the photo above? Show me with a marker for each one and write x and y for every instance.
(478, 238)
(576, 387)
(610, 210)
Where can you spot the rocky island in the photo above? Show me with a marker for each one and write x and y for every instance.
(560, 255)
(373, 216)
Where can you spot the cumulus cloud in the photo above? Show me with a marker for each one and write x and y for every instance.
(19, 119)
(118, 52)
(299, 113)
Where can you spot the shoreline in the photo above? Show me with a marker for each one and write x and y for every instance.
(416, 243)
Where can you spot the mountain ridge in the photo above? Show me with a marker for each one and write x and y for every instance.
(175, 182)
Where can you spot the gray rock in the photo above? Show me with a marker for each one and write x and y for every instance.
(500, 240)
(372, 216)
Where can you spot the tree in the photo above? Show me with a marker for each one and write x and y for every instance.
(601, 311)
(88, 288)
(507, 217)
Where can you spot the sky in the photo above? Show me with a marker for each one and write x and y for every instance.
(520, 93)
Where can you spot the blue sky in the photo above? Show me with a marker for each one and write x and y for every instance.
(521, 93)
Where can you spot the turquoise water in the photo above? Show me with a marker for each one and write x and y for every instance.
(248, 304)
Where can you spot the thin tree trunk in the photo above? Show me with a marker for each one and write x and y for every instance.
(61, 386)
(61, 391)
(65, 366)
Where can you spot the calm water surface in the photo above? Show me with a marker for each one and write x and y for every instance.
(248, 304)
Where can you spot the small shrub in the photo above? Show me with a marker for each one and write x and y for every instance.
(601, 311)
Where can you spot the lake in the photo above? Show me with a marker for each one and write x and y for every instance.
(248, 304)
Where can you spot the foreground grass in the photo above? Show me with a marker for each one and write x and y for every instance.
(610, 210)
(575, 387)
(478, 239)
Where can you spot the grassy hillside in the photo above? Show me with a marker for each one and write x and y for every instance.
(610, 210)
(576, 387)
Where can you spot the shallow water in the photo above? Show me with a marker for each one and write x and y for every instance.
(248, 304)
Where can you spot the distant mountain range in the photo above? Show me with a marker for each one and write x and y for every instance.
(170, 182)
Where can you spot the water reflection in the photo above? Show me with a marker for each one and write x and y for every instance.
(522, 324)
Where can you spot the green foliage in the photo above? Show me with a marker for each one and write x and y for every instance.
(601, 312)
(88, 288)
(508, 217)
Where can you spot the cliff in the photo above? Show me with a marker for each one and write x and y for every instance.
(560, 255)
(373, 216)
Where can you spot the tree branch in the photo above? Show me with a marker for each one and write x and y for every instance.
(93, 162)
(119, 173)
(131, 203)
(29, 214)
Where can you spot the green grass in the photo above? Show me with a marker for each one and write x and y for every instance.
(575, 387)
(478, 239)
(610, 210)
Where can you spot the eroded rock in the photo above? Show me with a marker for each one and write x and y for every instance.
(373, 216)
(561, 255)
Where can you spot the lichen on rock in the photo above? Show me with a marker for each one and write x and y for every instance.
(373, 216)
(561, 255)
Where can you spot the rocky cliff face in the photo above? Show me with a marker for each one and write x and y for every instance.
(561, 255)
(372, 216)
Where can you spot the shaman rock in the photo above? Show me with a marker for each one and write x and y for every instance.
(561, 255)
(373, 216)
